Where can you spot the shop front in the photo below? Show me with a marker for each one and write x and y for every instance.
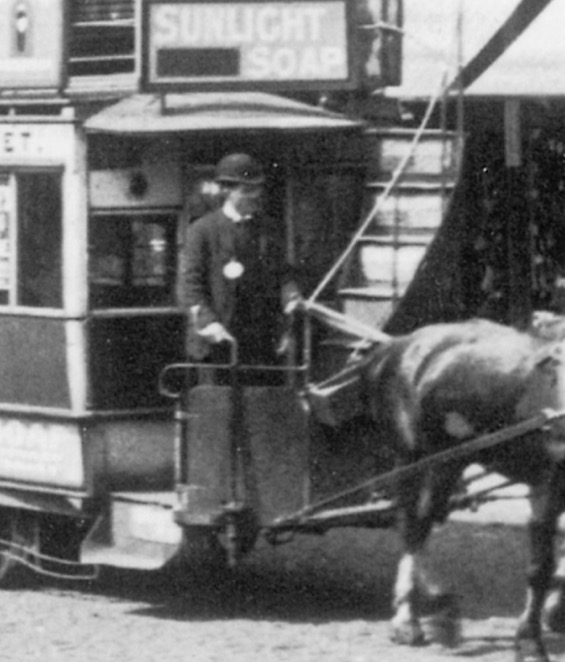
(499, 250)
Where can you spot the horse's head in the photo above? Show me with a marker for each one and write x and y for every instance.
(546, 385)
(547, 326)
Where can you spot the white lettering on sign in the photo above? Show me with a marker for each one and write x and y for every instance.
(225, 25)
(282, 63)
(275, 40)
(15, 141)
(39, 140)
(41, 452)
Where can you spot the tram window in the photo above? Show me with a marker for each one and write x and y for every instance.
(39, 240)
(30, 239)
(132, 260)
(6, 233)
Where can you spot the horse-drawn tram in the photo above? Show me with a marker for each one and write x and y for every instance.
(114, 448)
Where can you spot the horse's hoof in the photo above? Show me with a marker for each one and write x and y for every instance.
(442, 615)
(439, 603)
(530, 650)
(554, 611)
(407, 634)
(444, 629)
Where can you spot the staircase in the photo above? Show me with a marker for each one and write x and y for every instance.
(385, 258)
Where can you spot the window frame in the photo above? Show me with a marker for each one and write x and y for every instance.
(12, 171)
(169, 215)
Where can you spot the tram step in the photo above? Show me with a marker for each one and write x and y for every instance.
(136, 529)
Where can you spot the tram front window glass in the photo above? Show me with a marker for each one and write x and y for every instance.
(131, 260)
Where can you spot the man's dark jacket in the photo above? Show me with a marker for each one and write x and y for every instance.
(249, 307)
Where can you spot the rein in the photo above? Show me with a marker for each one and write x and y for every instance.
(544, 418)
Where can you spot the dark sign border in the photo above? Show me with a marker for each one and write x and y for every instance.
(244, 85)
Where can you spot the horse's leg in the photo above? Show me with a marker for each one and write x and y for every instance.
(440, 606)
(415, 591)
(406, 627)
(555, 603)
(542, 528)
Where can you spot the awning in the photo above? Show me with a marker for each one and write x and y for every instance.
(534, 64)
(439, 35)
(147, 114)
(505, 47)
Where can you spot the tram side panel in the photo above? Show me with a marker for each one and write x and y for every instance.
(133, 423)
(34, 371)
(120, 437)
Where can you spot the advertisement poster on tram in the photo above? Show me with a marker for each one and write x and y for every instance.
(6, 215)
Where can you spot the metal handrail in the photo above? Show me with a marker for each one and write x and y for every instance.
(189, 366)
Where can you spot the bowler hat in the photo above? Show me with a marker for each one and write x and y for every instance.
(239, 169)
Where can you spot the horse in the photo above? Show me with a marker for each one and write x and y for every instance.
(434, 389)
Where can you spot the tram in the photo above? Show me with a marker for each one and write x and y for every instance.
(105, 456)
(93, 220)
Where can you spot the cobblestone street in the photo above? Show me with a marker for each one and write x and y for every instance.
(314, 599)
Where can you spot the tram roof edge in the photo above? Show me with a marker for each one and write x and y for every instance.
(207, 111)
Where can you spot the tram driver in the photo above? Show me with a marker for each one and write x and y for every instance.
(237, 281)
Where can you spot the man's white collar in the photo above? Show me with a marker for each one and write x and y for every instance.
(231, 212)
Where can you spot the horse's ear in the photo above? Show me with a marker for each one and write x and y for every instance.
(541, 317)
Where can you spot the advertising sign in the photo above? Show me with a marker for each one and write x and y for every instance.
(31, 44)
(26, 142)
(34, 451)
(246, 44)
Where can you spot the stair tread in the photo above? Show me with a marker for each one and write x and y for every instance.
(384, 291)
(409, 132)
(428, 185)
(398, 240)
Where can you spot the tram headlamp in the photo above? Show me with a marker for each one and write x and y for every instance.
(138, 185)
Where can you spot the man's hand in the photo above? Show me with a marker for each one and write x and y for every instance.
(216, 333)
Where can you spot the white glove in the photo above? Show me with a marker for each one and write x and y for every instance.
(215, 333)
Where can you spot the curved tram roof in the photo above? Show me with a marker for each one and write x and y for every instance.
(151, 114)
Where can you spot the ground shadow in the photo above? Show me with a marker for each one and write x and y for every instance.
(344, 575)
